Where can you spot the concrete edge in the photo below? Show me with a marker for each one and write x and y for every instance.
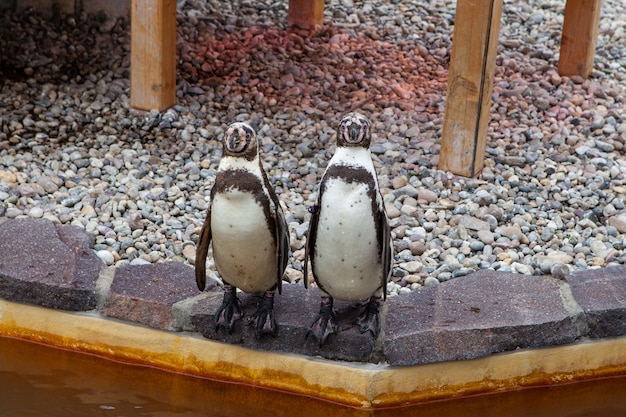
(358, 385)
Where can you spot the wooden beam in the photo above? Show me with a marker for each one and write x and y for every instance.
(578, 40)
(153, 54)
(470, 82)
(306, 14)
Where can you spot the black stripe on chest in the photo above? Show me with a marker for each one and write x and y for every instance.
(352, 175)
(356, 175)
(245, 182)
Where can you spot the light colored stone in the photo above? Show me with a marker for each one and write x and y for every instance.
(106, 257)
(546, 262)
(472, 223)
(427, 195)
(413, 267)
(8, 177)
(35, 212)
(431, 281)
(619, 222)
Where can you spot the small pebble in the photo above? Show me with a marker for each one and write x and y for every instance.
(106, 257)
(431, 281)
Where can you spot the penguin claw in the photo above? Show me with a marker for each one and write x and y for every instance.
(229, 311)
(263, 319)
(324, 323)
(369, 320)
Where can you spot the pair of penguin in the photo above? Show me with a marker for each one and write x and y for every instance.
(348, 242)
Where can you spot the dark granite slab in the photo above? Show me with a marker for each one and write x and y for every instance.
(474, 316)
(295, 309)
(48, 265)
(146, 293)
(601, 293)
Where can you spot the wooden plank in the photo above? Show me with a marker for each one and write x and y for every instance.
(306, 14)
(578, 40)
(470, 82)
(153, 54)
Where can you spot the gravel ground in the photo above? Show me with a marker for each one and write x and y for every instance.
(549, 201)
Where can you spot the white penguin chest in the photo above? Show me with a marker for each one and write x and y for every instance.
(244, 247)
(346, 259)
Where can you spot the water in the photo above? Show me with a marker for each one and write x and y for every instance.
(37, 380)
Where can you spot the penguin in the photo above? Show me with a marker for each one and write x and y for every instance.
(246, 226)
(348, 241)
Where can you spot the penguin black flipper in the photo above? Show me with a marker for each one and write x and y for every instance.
(386, 249)
(202, 249)
(281, 231)
(310, 242)
(282, 242)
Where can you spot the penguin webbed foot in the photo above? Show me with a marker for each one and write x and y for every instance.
(229, 311)
(369, 320)
(263, 319)
(324, 323)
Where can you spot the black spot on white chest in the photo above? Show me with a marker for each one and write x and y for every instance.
(240, 200)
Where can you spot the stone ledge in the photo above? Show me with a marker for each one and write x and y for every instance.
(474, 316)
(469, 317)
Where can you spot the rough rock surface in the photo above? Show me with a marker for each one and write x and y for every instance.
(146, 293)
(601, 293)
(483, 313)
(48, 265)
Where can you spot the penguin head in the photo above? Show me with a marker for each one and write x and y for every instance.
(354, 130)
(240, 141)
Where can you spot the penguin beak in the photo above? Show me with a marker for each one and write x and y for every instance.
(237, 141)
(234, 141)
(353, 132)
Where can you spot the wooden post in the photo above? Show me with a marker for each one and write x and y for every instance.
(578, 40)
(306, 14)
(153, 54)
(470, 82)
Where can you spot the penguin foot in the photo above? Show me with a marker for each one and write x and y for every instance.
(324, 324)
(369, 320)
(229, 311)
(263, 318)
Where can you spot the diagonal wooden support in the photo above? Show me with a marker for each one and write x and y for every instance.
(153, 54)
(470, 82)
(578, 41)
(306, 14)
